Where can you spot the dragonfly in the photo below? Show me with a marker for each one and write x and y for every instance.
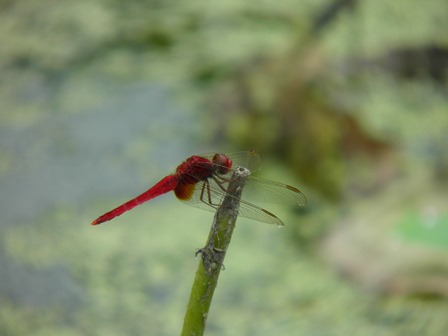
(202, 180)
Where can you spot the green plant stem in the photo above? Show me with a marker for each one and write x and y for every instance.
(213, 256)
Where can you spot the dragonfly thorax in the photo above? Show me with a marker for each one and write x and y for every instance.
(195, 169)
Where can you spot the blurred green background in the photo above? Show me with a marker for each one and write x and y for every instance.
(345, 99)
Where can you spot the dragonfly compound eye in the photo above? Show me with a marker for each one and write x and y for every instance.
(223, 162)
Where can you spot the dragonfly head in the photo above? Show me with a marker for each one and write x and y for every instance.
(222, 162)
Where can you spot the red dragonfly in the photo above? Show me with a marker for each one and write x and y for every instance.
(201, 181)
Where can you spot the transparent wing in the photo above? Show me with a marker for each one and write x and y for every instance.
(251, 211)
(208, 195)
(261, 190)
(267, 191)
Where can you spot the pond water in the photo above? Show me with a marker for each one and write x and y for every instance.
(73, 158)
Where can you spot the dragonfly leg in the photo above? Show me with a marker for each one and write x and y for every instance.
(206, 189)
(202, 192)
(220, 181)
